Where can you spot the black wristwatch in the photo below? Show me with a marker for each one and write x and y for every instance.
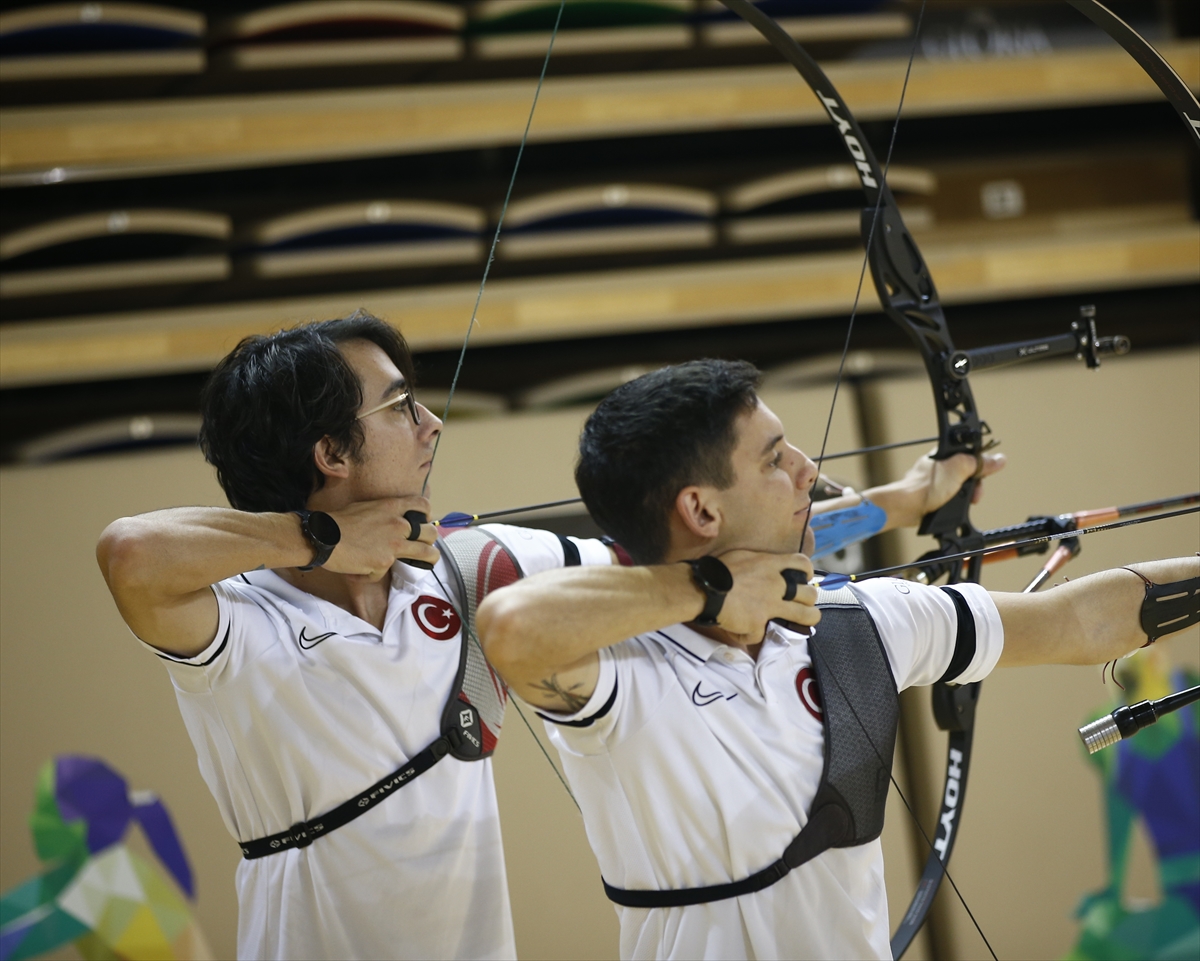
(712, 577)
(322, 533)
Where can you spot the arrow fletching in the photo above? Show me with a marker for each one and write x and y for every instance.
(456, 519)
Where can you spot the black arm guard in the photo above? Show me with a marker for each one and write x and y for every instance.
(1168, 608)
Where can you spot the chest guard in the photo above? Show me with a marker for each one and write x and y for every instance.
(861, 709)
(474, 712)
(478, 564)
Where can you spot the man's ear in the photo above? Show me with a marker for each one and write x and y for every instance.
(698, 511)
(329, 460)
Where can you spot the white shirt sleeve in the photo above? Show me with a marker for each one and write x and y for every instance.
(538, 551)
(585, 731)
(918, 626)
(216, 648)
(244, 630)
(631, 688)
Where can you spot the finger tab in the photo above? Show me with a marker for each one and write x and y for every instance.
(415, 520)
(794, 579)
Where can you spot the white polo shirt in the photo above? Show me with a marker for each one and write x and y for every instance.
(298, 705)
(696, 765)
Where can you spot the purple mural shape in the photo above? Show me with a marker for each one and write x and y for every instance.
(89, 790)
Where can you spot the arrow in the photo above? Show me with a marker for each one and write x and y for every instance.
(834, 581)
(459, 519)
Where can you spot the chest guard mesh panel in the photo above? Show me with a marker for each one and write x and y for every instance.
(861, 709)
(478, 565)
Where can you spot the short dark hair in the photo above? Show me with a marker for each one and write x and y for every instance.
(654, 436)
(273, 398)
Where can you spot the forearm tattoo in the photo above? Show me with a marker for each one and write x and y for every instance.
(550, 688)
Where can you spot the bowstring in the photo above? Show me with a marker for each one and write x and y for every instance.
(462, 354)
(887, 163)
(469, 627)
(487, 267)
(546, 754)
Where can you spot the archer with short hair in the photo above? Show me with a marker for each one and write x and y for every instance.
(310, 659)
(726, 727)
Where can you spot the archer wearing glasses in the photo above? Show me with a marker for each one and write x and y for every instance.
(313, 663)
(402, 402)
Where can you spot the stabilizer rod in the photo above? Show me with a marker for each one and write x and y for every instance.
(1128, 720)
(1082, 341)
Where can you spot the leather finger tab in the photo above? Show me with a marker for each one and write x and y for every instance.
(794, 579)
(415, 520)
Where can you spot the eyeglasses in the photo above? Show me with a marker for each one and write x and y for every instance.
(404, 397)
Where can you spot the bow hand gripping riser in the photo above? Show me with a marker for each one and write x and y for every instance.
(909, 297)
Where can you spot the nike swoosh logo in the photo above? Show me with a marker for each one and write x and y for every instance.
(700, 699)
(308, 643)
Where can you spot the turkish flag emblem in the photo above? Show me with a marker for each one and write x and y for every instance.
(810, 694)
(436, 617)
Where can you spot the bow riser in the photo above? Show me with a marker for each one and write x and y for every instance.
(909, 298)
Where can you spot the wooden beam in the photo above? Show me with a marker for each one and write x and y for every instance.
(611, 302)
(50, 144)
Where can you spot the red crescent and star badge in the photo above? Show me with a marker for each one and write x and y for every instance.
(436, 617)
(810, 694)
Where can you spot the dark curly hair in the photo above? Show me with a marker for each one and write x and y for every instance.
(654, 436)
(273, 398)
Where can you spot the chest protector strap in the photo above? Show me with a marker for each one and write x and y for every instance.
(861, 708)
(478, 564)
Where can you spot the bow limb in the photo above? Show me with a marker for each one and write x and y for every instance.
(906, 290)
(1161, 72)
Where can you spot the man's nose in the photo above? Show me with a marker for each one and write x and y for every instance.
(807, 472)
(430, 424)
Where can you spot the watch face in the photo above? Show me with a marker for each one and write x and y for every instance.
(323, 528)
(715, 574)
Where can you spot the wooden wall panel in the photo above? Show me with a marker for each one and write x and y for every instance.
(119, 139)
(1035, 259)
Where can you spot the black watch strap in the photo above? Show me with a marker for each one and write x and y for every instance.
(322, 532)
(714, 579)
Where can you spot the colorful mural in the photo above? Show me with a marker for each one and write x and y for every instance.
(1154, 776)
(95, 892)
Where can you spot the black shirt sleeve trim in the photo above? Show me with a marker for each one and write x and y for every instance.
(570, 551)
(186, 663)
(587, 721)
(964, 642)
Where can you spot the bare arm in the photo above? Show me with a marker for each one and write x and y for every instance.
(1089, 621)
(543, 632)
(160, 566)
(926, 486)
